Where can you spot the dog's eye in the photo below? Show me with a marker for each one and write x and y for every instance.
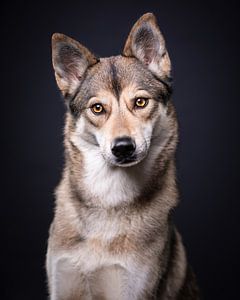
(97, 108)
(141, 102)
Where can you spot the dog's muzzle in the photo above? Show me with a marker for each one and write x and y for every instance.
(123, 149)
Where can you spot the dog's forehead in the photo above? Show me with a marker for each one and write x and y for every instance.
(115, 73)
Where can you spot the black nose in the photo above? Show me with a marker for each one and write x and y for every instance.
(123, 147)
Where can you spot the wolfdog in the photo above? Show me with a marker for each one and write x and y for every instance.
(112, 236)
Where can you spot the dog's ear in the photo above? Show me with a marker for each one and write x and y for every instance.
(146, 43)
(70, 61)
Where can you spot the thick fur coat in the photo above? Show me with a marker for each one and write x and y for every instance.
(112, 236)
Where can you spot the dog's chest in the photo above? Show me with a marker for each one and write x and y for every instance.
(110, 233)
(105, 239)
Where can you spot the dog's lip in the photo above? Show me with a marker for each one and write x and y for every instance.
(127, 164)
(127, 161)
(124, 160)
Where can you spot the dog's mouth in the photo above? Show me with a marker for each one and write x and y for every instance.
(127, 161)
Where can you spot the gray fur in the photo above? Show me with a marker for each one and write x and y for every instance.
(129, 248)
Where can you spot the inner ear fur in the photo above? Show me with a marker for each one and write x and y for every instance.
(70, 62)
(146, 43)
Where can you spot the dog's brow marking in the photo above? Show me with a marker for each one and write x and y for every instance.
(115, 80)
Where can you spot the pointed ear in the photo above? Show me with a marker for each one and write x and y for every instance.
(70, 61)
(146, 43)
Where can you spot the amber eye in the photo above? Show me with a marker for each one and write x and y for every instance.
(97, 108)
(141, 102)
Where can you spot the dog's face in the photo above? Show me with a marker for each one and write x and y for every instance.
(116, 103)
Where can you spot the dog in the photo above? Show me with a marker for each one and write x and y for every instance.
(112, 236)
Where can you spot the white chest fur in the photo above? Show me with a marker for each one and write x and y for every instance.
(111, 185)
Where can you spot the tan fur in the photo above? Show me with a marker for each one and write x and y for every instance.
(112, 236)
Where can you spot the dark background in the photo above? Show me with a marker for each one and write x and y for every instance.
(202, 39)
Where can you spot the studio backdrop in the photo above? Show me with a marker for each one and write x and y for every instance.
(202, 40)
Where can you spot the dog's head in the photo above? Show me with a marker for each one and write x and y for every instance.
(117, 104)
